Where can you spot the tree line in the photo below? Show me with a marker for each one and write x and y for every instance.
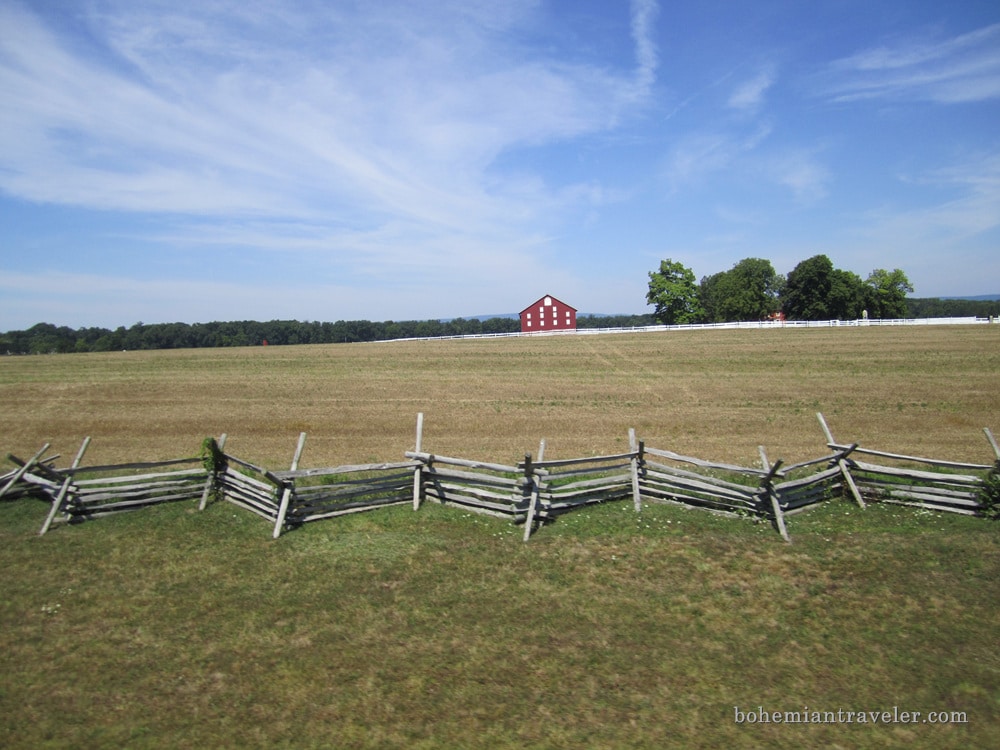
(750, 290)
(813, 290)
(45, 338)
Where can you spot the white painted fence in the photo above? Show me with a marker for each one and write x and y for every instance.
(746, 324)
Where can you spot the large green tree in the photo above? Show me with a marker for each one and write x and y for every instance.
(748, 291)
(708, 295)
(887, 293)
(847, 295)
(674, 293)
(806, 292)
(815, 290)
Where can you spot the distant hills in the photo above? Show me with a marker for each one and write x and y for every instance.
(978, 298)
(501, 316)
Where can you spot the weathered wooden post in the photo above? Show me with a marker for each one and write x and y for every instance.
(767, 485)
(64, 488)
(993, 442)
(845, 470)
(286, 495)
(636, 461)
(417, 473)
(529, 475)
(23, 469)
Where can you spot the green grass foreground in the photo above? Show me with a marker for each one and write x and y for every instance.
(611, 629)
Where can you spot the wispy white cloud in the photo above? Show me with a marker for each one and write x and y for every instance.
(956, 230)
(387, 282)
(801, 172)
(972, 206)
(317, 113)
(702, 157)
(93, 299)
(644, 14)
(749, 95)
(962, 68)
(697, 156)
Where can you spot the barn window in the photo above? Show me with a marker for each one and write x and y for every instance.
(548, 301)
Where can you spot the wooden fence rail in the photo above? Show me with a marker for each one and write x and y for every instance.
(92, 492)
(937, 489)
(533, 492)
(571, 483)
(477, 486)
(954, 492)
(249, 488)
(347, 489)
(797, 495)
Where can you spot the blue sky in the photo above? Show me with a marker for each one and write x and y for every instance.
(323, 160)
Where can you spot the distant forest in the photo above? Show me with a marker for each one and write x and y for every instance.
(45, 338)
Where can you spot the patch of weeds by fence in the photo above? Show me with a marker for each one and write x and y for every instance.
(212, 456)
(989, 494)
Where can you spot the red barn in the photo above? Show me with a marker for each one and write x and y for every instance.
(548, 314)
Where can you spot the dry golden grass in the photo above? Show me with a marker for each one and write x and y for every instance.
(713, 394)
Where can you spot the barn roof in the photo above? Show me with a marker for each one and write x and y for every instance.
(555, 301)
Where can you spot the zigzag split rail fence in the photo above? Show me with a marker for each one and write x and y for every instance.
(532, 492)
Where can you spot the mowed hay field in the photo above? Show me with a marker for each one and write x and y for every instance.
(174, 628)
(711, 394)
